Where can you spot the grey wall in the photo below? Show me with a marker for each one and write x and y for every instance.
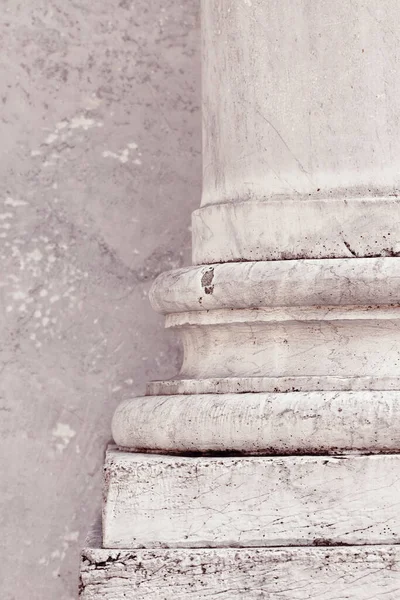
(99, 172)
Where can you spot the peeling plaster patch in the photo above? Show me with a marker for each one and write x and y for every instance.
(123, 155)
(11, 202)
(92, 102)
(35, 255)
(53, 159)
(19, 295)
(51, 138)
(68, 538)
(82, 122)
(71, 536)
(63, 130)
(62, 434)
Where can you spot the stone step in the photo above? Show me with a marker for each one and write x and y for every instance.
(297, 573)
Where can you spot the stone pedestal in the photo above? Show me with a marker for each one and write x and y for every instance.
(282, 428)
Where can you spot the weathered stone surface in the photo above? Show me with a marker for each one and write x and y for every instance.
(300, 151)
(100, 168)
(321, 341)
(329, 282)
(165, 501)
(260, 423)
(328, 228)
(356, 573)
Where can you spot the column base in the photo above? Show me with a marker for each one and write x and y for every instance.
(360, 573)
(155, 501)
(295, 422)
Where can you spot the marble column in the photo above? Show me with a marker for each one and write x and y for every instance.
(270, 464)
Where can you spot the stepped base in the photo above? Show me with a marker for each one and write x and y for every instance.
(155, 501)
(359, 573)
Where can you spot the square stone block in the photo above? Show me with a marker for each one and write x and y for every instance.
(156, 501)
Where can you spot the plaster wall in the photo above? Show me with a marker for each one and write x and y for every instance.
(100, 170)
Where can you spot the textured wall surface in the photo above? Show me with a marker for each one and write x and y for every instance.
(99, 172)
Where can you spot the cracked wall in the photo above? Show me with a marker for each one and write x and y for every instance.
(100, 170)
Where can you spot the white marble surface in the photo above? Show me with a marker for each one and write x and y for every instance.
(289, 342)
(329, 282)
(283, 229)
(366, 573)
(154, 501)
(261, 423)
(300, 98)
